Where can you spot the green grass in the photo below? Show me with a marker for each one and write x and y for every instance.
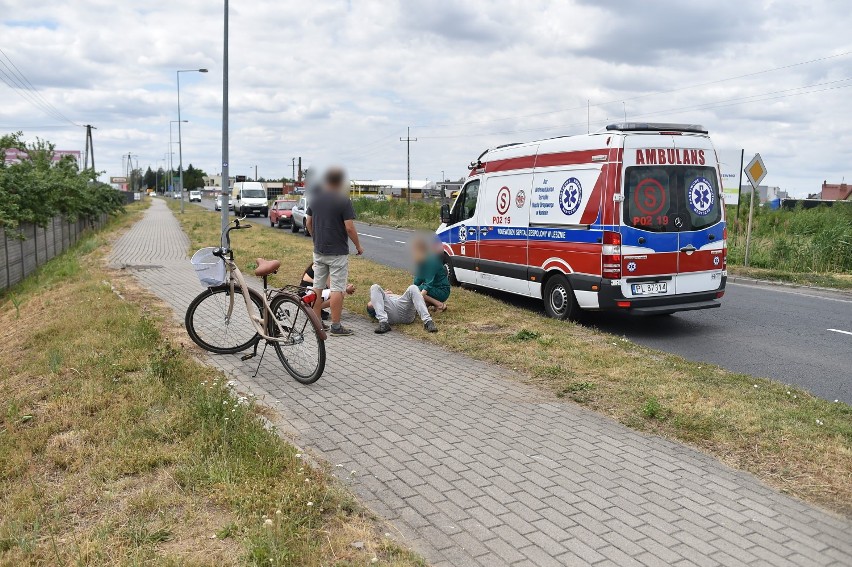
(787, 437)
(422, 215)
(117, 447)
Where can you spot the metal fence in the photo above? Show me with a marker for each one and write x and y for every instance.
(19, 257)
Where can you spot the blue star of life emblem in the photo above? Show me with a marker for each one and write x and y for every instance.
(701, 196)
(570, 196)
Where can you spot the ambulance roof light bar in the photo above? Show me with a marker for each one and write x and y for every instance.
(656, 127)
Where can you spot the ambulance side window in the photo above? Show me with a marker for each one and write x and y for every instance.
(465, 206)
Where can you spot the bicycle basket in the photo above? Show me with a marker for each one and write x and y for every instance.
(210, 269)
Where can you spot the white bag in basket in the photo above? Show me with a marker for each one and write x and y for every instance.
(210, 269)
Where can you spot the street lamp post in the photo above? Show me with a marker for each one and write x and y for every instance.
(171, 153)
(225, 175)
(180, 142)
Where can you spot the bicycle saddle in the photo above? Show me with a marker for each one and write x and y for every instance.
(266, 267)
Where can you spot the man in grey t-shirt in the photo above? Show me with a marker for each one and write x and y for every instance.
(330, 221)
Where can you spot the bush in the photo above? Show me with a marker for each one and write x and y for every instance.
(801, 240)
(38, 189)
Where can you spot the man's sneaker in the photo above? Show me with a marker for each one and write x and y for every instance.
(430, 326)
(371, 312)
(383, 328)
(340, 331)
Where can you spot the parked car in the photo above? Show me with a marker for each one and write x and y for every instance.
(299, 216)
(176, 195)
(281, 213)
(195, 196)
(218, 205)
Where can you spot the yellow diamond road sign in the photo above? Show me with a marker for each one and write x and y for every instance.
(755, 170)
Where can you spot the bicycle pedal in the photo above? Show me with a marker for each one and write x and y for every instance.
(248, 356)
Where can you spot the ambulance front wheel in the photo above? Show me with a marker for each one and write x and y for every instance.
(451, 273)
(559, 300)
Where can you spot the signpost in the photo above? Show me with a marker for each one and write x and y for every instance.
(756, 172)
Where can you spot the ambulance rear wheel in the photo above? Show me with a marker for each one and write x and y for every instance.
(451, 273)
(559, 300)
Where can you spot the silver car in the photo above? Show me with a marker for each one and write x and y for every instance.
(299, 216)
(218, 205)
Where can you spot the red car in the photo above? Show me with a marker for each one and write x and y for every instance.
(281, 213)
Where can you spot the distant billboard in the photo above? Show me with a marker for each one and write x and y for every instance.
(14, 155)
(729, 164)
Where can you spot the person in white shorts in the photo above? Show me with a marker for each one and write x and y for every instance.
(389, 308)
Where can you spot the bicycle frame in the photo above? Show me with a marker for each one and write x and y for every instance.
(261, 324)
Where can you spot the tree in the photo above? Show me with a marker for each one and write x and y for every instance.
(149, 180)
(193, 178)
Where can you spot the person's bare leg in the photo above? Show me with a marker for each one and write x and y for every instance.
(432, 301)
(336, 302)
(318, 303)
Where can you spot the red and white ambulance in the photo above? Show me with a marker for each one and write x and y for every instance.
(629, 218)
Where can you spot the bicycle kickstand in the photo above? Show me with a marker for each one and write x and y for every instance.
(263, 352)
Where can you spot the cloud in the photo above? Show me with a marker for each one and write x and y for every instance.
(336, 81)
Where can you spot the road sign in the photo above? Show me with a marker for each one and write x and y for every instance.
(755, 171)
(118, 180)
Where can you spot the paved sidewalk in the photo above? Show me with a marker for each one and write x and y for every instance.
(477, 469)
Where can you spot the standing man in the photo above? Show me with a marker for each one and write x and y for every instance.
(330, 220)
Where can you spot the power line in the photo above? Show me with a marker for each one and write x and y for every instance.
(637, 97)
(704, 106)
(35, 97)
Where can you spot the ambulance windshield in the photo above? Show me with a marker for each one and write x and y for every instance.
(671, 198)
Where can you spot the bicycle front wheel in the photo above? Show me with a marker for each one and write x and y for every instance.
(210, 326)
(298, 342)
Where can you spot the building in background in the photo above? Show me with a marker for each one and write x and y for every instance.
(14, 155)
(836, 191)
(765, 193)
(394, 187)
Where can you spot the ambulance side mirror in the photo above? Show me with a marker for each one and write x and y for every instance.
(445, 213)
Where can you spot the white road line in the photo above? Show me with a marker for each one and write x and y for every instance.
(790, 291)
(370, 235)
(839, 331)
(400, 242)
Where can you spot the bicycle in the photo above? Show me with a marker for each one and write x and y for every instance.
(216, 321)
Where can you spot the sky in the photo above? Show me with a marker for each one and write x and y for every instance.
(340, 81)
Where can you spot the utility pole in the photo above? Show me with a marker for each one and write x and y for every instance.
(226, 189)
(294, 173)
(90, 147)
(408, 139)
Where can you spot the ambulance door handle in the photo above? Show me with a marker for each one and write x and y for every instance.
(688, 249)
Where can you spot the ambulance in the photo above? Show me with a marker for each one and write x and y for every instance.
(629, 219)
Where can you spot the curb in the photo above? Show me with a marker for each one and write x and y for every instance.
(775, 283)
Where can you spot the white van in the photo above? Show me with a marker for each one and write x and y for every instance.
(626, 219)
(250, 199)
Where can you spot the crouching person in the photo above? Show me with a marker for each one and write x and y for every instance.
(391, 309)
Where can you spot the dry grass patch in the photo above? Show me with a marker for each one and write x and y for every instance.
(118, 448)
(785, 436)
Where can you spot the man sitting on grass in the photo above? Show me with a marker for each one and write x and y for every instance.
(389, 307)
(430, 275)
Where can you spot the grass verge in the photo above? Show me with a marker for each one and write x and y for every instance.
(117, 448)
(422, 215)
(834, 281)
(790, 439)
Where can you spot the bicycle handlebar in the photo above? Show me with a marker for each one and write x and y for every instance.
(226, 236)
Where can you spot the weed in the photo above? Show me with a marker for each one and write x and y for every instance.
(525, 335)
(654, 410)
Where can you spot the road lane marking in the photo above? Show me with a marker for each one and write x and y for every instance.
(839, 331)
(770, 288)
(400, 242)
(370, 235)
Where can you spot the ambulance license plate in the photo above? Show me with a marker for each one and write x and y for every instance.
(650, 288)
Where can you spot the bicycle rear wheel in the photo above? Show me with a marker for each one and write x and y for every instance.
(209, 326)
(299, 344)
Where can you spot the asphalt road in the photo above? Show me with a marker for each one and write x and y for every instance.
(793, 335)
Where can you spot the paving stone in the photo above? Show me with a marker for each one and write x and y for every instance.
(476, 468)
